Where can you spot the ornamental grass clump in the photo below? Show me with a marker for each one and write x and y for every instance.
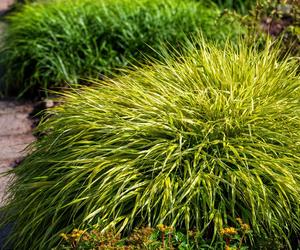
(51, 43)
(193, 142)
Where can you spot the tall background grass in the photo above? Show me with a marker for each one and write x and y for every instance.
(52, 43)
(193, 142)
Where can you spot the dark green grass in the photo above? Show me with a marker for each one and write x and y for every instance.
(51, 44)
(193, 142)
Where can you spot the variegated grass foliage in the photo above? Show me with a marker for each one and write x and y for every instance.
(193, 142)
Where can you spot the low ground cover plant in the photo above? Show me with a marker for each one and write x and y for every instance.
(279, 20)
(193, 142)
(147, 238)
(51, 43)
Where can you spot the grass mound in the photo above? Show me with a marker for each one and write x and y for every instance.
(49, 44)
(193, 142)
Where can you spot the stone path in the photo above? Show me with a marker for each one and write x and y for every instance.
(15, 128)
(15, 135)
(4, 4)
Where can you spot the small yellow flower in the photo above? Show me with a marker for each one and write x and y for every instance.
(161, 227)
(85, 238)
(64, 236)
(228, 231)
(245, 227)
(169, 229)
(239, 220)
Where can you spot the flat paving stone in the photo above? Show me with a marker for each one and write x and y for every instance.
(5, 4)
(14, 124)
(15, 136)
(13, 146)
(4, 180)
(9, 107)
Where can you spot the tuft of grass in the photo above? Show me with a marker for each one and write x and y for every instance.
(193, 142)
(51, 43)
